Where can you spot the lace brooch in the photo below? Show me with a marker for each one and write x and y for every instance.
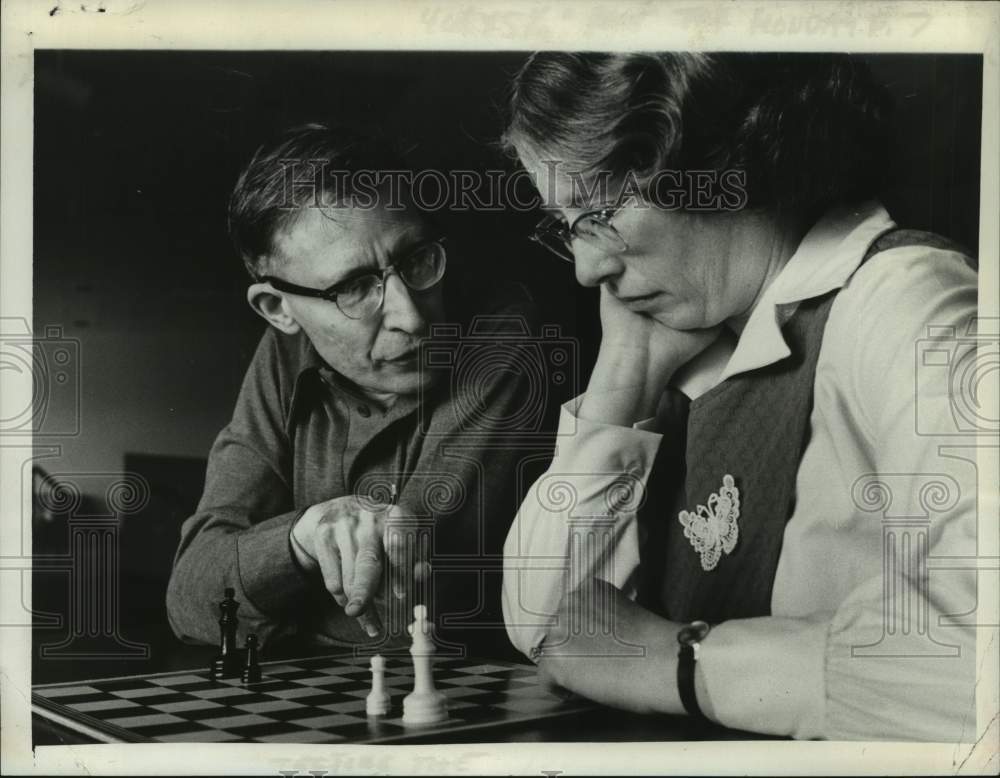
(713, 530)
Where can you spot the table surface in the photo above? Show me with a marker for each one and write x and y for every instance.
(167, 654)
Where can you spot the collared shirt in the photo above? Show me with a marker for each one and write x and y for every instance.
(300, 436)
(885, 489)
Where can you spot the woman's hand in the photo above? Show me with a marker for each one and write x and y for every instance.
(638, 356)
(612, 651)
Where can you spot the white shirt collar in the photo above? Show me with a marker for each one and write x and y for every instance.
(825, 259)
(702, 373)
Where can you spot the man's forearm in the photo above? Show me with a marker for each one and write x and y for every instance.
(257, 562)
(199, 577)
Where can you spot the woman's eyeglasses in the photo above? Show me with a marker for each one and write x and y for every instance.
(593, 226)
(360, 297)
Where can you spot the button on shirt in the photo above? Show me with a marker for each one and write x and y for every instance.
(887, 467)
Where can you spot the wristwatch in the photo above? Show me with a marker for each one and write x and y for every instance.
(690, 638)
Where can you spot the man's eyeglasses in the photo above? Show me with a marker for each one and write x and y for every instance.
(360, 297)
(593, 226)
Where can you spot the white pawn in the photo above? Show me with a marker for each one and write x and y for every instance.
(377, 702)
(425, 704)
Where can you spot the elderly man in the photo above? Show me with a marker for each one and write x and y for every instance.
(345, 459)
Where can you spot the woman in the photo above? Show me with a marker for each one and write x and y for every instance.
(719, 531)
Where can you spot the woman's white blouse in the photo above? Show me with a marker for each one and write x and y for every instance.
(874, 603)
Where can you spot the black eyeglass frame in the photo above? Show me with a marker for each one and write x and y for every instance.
(331, 293)
(554, 227)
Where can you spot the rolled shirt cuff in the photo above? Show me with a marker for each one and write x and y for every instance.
(767, 674)
(574, 493)
(589, 448)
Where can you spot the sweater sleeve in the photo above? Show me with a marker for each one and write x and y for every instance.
(239, 534)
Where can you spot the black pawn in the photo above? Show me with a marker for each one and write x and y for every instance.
(251, 672)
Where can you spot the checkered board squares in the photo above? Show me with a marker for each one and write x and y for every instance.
(315, 700)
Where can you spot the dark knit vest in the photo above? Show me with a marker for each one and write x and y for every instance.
(754, 427)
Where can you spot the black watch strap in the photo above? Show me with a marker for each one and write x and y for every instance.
(689, 637)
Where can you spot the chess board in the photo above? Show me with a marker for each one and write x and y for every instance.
(315, 700)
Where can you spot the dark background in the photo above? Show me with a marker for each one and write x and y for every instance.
(135, 154)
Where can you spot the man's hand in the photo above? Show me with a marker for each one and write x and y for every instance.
(637, 358)
(346, 540)
(611, 650)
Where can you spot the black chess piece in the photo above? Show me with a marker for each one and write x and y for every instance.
(227, 663)
(251, 670)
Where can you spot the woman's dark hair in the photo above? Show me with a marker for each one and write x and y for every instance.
(304, 166)
(808, 130)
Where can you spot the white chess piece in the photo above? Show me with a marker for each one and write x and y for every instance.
(425, 704)
(377, 702)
